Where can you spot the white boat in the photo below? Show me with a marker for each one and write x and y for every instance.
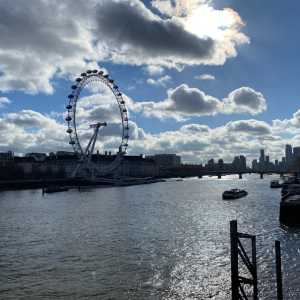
(234, 194)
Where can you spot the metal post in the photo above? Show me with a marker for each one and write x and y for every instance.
(278, 270)
(255, 291)
(234, 260)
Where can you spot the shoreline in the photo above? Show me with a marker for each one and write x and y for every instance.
(14, 185)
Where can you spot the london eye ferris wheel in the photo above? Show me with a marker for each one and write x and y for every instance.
(86, 81)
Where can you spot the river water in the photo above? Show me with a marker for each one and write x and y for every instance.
(167, 240)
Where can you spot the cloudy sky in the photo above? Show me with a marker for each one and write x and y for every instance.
(202, 78)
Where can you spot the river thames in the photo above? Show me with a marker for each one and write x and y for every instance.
(168, 240)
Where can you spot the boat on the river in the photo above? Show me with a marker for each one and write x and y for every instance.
(54, 189)
(275, 184)
(290, 210)
(234, 194)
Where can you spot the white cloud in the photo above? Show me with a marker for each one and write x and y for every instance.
(179, 7)
(198, 143)
(205, 77)
(50, 39)
(250, 127)
(195, 128)
(42, 40)
(31, 131)
(4, 101)
(162, 81)
(184, 102)
(140, 36)
(154, 70)
(245, 100)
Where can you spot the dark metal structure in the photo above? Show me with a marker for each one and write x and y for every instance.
(278, 270)
(238, 254)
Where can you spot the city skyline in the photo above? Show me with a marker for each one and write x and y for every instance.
(262, 163)
(221, 91)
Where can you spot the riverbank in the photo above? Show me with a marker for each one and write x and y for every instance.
(10, 185)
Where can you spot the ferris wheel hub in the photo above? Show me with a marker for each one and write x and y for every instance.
(98, 125)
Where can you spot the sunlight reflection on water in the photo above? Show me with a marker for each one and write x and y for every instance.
(161, 241)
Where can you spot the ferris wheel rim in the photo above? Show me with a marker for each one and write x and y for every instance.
(80, 83)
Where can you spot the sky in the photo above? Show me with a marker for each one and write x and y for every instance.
(201, 78)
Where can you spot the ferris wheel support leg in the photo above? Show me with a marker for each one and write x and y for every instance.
(89, 144)
(74, 173)
(94, 140)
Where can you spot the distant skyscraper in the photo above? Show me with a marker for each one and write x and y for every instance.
(254, 165)
(211, 163)
(262, 156)
(297, 152)
(220, 164)
(243, 162)
(288, 153)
